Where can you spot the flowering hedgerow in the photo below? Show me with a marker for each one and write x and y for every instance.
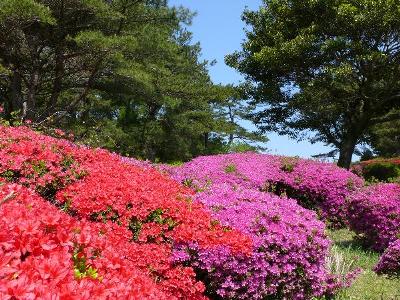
(316, 185)
(289, 253)
(389, 263)
(374, 214)
(145, 209)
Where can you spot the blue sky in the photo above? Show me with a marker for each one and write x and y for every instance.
(219, 29)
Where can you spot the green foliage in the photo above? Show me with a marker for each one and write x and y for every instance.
(231, 109)
(241, 147)
(135, 226)
(39, 167)
(81, 268)
(230, 168)
(385, 138)
(288, 164)
(323, 70)
(382, 171)
(122, 75)
(25, 11)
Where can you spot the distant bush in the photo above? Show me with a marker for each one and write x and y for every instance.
(378, 169)
(382, 171)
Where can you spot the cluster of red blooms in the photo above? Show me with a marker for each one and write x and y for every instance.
(44, 252)
(100, 228)
(395, 161)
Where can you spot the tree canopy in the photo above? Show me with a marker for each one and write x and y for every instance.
(121, 74)
(327, 70)
(385, 138)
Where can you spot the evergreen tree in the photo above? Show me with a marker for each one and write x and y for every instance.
(326, 70)
(121, 74)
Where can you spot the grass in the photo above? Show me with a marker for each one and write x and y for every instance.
(368, 285)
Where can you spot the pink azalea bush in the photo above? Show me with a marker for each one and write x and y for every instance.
(289, 252)
(389, 263)
(374, 214)
(316, 185)
(290, 247)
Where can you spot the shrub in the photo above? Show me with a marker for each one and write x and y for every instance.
(45, 254)
(374, 214)
(290, 248)
(382, 171)
(389, 263)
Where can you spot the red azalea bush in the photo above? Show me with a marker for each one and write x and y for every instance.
(43, 253)
(154, 208)
(146, 210)
(374, 214)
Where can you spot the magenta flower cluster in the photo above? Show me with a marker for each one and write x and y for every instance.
(289, 243)
(290, 247)
(374, 214)
(389, 263)
(315, 185)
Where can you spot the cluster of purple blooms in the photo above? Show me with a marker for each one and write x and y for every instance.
(290, 246)
(316, 185)
(289, 253)
(374, 214)
(389, 263)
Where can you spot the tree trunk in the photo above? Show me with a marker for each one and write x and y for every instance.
(58, 78)
(346, 151)
(16, 97)
(29, 104)
(231, 138)
(206, 134)
(232, 121)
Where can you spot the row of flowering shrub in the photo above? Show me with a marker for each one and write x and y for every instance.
(149, 214)
(338, 196)
(316, 185)
(247, 244)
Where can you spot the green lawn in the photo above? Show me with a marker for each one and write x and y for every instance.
(368, 285)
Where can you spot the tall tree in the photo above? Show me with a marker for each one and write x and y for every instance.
(39, 49)
(326, 70)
